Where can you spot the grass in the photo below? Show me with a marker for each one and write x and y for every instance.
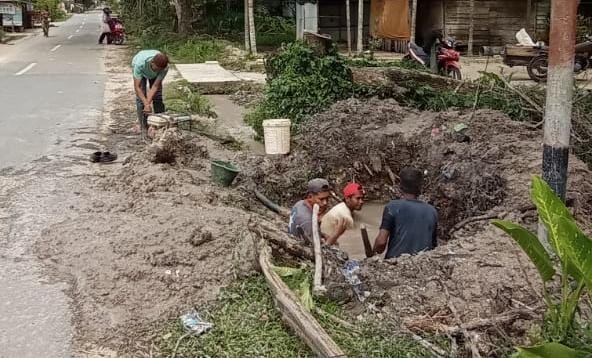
(182, 97)
(246, 324)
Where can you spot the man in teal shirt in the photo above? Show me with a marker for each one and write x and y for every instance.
(149, 68)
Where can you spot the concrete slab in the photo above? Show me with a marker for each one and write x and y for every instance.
(206, 73)
(256, 77)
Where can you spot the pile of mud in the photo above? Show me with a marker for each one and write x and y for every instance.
(148, 242)
(467, 174)
(477, 273)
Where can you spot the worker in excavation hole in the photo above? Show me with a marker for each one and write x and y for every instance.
(318, 192)
(340, 217)
(408, 224)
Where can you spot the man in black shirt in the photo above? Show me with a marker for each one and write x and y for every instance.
(408, 224)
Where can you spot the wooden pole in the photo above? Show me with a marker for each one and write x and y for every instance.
(247, 34)
(294, 314)
(413, 19)
(558, 108)
(348, 25)
(252, 35)
(367, 247)
(471, 26)
(316, 237)
(360, 46)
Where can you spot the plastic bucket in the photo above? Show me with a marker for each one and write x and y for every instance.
(276, 133)
(223, 173)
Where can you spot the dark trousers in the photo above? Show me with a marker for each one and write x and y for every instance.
(157, 102)
(103, 35)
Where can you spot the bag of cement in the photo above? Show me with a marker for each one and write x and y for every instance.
(524, 39)
(194, 324)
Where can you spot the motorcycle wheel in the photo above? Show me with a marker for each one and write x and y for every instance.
(537, 68)
(454, 73)
(118, 40)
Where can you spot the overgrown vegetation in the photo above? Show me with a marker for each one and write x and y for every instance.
(566, 321)
(246, 324)
(52, 7)
(301, 83)
(182, 97)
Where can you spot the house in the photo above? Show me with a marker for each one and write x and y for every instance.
(495, 22)
(15, 14)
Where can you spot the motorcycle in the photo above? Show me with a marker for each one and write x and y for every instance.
(538, 66)
(446, 56)
(117, 34)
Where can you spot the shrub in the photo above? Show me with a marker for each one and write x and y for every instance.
(301, 83)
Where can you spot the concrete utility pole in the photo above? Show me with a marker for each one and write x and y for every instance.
(558, 107)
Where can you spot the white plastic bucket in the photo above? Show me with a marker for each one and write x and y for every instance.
(276, 133)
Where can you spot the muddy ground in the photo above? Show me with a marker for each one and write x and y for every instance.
(145, 242)
(481, 173)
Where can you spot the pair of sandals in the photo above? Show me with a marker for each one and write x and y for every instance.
(103, 157)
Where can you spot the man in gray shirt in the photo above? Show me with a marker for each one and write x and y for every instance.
(408, 224)
(318, 192)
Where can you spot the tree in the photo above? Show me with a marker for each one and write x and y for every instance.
(184, 16)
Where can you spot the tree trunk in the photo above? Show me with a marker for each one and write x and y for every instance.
(360, 26)
(471, 27)
(247, 32)
(413, 19)
(252, 35)
(348, 25)
(184, 16)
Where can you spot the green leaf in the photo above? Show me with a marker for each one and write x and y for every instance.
(549, 206)
(578, 247)
(550, 350)
(531, 245)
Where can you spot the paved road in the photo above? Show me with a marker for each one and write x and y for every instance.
(50, 88)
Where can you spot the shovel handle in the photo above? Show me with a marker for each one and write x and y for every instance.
(366, 240)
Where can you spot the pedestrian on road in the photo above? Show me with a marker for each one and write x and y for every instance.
(149, 68)
(408, 224)
(45, 24)
(105, 26)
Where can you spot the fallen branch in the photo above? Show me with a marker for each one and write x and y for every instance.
(462, 224)
(336, 319)
(293, 313)
(178, 343)
(523, 96)
(281, 239)
(437, 351)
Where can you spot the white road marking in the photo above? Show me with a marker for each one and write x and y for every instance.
(26, 69)
(55, 48)
(70, 37)
(77, 30)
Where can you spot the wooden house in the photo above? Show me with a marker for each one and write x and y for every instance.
(395, 22)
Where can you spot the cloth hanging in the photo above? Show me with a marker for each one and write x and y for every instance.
(389, 19)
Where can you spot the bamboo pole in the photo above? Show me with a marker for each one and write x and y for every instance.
(247, 32)
(471, 26)
(360, 46)
(252, 34)
(413, 19)
(348, 25)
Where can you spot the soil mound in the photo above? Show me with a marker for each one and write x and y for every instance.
(477, 275)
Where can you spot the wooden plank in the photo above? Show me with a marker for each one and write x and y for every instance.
(293, 313)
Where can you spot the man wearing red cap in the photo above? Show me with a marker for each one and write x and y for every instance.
(340, 217)
(149, 68)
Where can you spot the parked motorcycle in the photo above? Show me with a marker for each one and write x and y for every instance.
(538, 66)
(117, 35)
(446, 56)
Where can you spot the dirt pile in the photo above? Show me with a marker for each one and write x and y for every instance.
(488, 164)
(472, 175)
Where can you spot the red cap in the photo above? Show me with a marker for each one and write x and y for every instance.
(352, 189)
